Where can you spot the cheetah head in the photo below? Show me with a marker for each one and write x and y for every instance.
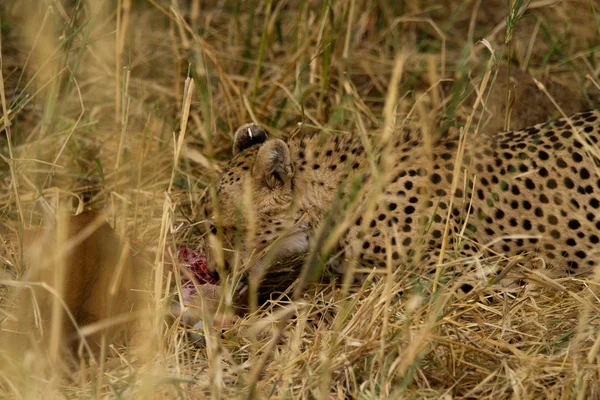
(251, 214)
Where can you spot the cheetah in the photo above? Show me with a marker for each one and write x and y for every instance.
(533, 191)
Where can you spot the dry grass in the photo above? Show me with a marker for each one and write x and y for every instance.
(97, 122)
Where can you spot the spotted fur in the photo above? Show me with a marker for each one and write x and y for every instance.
(534, 191)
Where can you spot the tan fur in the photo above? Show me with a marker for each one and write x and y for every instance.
(88, 274)
(529, 191)
(105, 283)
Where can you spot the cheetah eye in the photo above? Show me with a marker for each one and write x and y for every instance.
(213, 229)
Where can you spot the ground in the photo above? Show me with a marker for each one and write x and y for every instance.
(102, 116)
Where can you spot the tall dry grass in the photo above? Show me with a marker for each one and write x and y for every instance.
(96, 113)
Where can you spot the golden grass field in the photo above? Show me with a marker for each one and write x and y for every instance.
(129, 107)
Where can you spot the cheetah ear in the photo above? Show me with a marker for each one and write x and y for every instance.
(247, 136)
(273, 164)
